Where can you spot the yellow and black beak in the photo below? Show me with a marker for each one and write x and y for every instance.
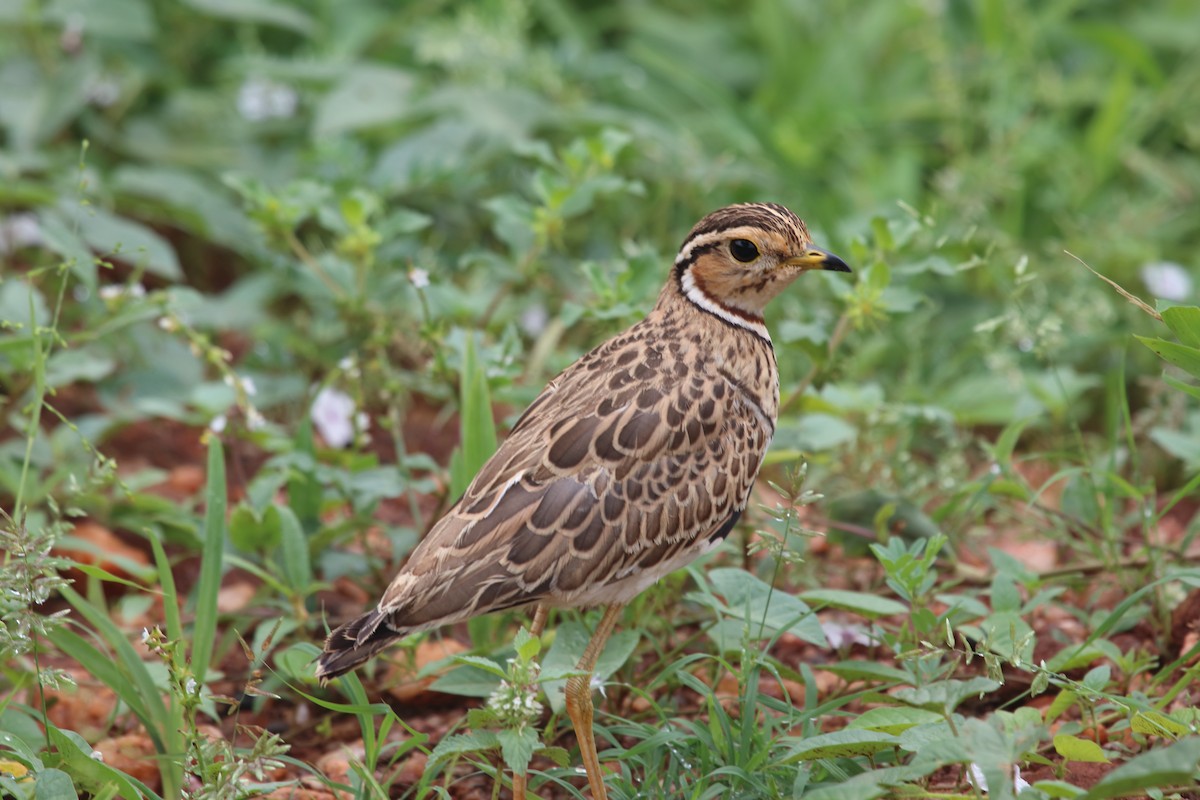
(816, 258)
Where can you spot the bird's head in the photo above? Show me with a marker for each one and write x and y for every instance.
(738, 258)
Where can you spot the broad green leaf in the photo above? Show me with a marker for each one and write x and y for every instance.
(481, 663)
(868, 671)
(461, 743)
(767, 610)
(293, 549)
(845, 743)
(265, 12)
(893, 719)
(869, 605)
(54, 784)
(1058, 789)
(369, 95)
(1174, 765)
(89, 774)
(118, 238)
(131, 20)
(1073, 748)
(517, 747)
(945, 695)
(1152, 723)
(1180, 355)
(252, 533)
(1184, 322)
(468, 680)
(570, 640)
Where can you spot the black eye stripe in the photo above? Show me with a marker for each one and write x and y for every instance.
(743, 250)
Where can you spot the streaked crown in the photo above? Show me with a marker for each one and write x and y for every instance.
(738, 258)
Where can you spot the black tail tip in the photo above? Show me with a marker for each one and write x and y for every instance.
(353, 644)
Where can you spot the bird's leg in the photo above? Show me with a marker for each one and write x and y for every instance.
(521, 779)
(579, 701)
(539, 619)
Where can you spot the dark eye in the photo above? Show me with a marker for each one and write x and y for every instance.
(743, 250)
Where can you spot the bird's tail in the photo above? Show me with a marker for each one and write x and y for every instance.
(354, 643)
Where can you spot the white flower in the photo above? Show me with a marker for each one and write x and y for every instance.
(218, 423)
(190, 686)
(261, 99)
(839, 634)
(419, 278)
(977, 778)
(168, 324)
(254, 419)
(596, 684)
(103, 92)
(97, 755)
(534, 319)
(112, 291)
(19, 230)
(248, 387)
(1167, 280)
(145, 635)
(333, 413)
(346, 363)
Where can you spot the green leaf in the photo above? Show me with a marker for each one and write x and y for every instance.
(304, 490)
(1152, 723)
(54, 784)
(764, 608)
(477, 426)
(485, 664)
(945, 695)
(1184, 322)
(1180, 355)
(845, 743)
(367, 96)
(293, 550)
(570, 640)
(1058, 789)
(131, 20)
(868, 671)
(251, 533)
(1073, 748)
(893, 719)
(469, 680)
(93, 776)
(265, 12)
(516, 747)
(1174, 765)
(869, 605)
(204, 632)
(462, 743)
(116, 237)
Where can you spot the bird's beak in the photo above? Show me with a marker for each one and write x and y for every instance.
(816, 258)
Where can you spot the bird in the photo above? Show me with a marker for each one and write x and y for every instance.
(635, 460)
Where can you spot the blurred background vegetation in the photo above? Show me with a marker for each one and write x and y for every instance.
(212, 210)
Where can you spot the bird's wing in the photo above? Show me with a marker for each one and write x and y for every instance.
(620, 465)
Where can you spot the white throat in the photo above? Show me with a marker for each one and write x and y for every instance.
(701, 300)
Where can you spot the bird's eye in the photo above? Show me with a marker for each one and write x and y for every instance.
(743, 250)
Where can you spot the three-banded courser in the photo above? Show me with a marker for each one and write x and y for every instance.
(635, 460)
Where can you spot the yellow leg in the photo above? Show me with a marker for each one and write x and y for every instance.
(521, 779)
(579, 701)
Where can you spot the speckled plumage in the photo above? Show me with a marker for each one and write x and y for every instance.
(636, 459)
(639, 457)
